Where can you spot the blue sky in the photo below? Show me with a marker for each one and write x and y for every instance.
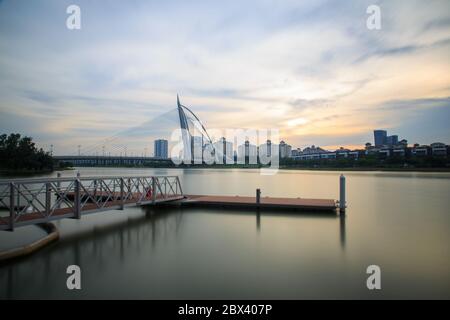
(310, 68)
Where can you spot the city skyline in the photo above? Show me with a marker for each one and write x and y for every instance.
(239, 65)
(163, 151)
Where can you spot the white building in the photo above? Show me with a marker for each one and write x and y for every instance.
(197, 149)
(223, 151)
(267, 149)
(438, 149)
(285, 150)
(247, 151)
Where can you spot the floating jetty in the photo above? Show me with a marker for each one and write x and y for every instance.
(33, 201)
(238, 202)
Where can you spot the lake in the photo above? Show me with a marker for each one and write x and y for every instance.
(398, 221)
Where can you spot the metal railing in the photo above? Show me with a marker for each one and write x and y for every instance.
(31, 201)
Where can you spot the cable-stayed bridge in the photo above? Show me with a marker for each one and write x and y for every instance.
(133, 146)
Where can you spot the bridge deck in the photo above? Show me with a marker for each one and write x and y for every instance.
(62, 213)
(265, 202)
(32, 201)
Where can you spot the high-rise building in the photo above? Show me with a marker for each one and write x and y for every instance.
(285, 150)
(380, 137)
(224, 151)
(392, 140)
(247, 153)
(161, 149)
(197, 149)
(268, 151)
(265, 150)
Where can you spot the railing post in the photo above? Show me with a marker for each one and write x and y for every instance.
(48, 198)
(58, 191)
(153, 189)
(12, 213)
(179, 185)
(77, 203)
(122, 194)
(18, 196)
(342, 202)
(95, 189)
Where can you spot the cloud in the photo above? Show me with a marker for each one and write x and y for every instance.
(403, 50)
(443, 23)
(253, 64)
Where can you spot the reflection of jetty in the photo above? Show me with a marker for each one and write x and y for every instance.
(33, 201)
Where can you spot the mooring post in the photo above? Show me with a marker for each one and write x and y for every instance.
(342, 203)
(11, 207)
(258, 196)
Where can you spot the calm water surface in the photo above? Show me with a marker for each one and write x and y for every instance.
(399, 221)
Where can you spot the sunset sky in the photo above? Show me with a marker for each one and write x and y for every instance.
(309, 68)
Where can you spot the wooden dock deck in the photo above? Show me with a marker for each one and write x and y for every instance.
(300, 204)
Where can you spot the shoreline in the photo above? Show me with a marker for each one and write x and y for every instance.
(431, 170)
(25, 250)
(351, 169)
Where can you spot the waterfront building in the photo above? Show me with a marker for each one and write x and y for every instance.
(438, 149)
(328, 155)
(399, 150)
(392, 140)
(313, 152)
(285, 150)
(342, 152)
(223, 151)
(247, 153)
(197, 149)
(296, 152)
(379, 137)
(161, 149)
(420, 150)
(385, 151)
(267, 148)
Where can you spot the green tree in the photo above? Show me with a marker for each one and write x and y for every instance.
(21, 153)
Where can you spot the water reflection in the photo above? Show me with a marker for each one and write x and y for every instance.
(342, 230)
(102, 248)
(258, 220)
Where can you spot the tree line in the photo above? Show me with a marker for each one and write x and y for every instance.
(19, 153)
